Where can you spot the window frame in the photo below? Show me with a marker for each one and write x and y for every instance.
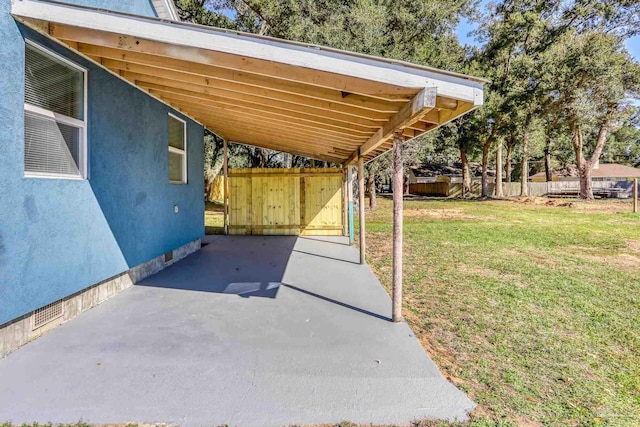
(175, 150)
(83, 166)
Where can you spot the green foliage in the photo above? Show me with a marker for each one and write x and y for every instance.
(555, 67)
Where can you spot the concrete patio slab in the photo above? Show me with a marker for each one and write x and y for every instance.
(249, 331)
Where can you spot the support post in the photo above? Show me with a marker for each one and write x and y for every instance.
(225, 186)
(352, 237)
(345, 202)
(635, 195)
(398, 190)
(361, 206)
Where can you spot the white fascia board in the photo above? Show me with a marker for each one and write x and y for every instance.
(450, 85)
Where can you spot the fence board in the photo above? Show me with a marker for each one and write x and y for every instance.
(286, 201)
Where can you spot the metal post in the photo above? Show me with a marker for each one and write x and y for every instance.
(361, 206)
(398, 190)
(635, 195)
(225, 186)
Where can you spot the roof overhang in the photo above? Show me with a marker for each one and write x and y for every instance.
(307, 100)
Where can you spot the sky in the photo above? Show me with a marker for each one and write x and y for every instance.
(465, 27)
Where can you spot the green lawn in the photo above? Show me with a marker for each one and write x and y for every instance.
(213, 218)
(532, 307)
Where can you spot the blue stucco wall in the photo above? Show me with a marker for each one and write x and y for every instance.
(60, 236)
(136, 7)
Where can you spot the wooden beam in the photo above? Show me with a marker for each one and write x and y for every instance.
(238, 139)
(422, 102)
(361, 208)
(287, 147)
(239, 98)
(218, 77)
(280, 141)
(245, 64)
(229, 108)
(217, 119)
(431, 116)
(446, 103)
(305, 137)
(251, 53)
(398, 194)
(255, 106)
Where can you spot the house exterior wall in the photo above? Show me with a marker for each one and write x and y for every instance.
(135, 7)
(59, 236)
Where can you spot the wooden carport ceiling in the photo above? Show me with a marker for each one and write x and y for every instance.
(241, 93)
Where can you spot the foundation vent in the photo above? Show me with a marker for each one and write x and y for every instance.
(48, 313)
(168, 257)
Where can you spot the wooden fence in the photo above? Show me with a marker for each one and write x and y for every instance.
(510, 189)
(434, 189)
(285, 201)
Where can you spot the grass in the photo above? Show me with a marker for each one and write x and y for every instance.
(213, 218)
(531, 307)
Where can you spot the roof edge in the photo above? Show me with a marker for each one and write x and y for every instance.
(274, 40)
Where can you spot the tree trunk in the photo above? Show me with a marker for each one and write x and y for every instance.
(524, 174)
(586, 188)
(507, 163)
(372, 191)
(466, 176)
(547, 163)
(485, 164)
(499, 192)
(207, 186)
(584, 166)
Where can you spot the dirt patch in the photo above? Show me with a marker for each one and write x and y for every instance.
(551, 259)
(544, 201)
(633, 246)
(627, 259)
(439, 214)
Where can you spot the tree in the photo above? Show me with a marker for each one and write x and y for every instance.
(593, 75)
(422, 31)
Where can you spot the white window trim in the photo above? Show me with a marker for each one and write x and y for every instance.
(183, 152)
(80, 124)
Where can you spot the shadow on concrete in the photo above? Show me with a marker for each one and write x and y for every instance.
(341, 242)
(327, 257)
(341, 304)
(247, 266)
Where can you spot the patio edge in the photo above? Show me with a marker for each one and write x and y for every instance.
(20, 331)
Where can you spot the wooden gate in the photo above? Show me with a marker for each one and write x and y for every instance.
(285, 201)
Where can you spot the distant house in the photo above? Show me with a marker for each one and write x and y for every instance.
(442, 172)
(600, 172)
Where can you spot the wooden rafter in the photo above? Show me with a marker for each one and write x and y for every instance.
(180, 70)
(225, 60)
(324, 104)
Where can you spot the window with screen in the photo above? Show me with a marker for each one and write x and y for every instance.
(54, 115)
(177, 150)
